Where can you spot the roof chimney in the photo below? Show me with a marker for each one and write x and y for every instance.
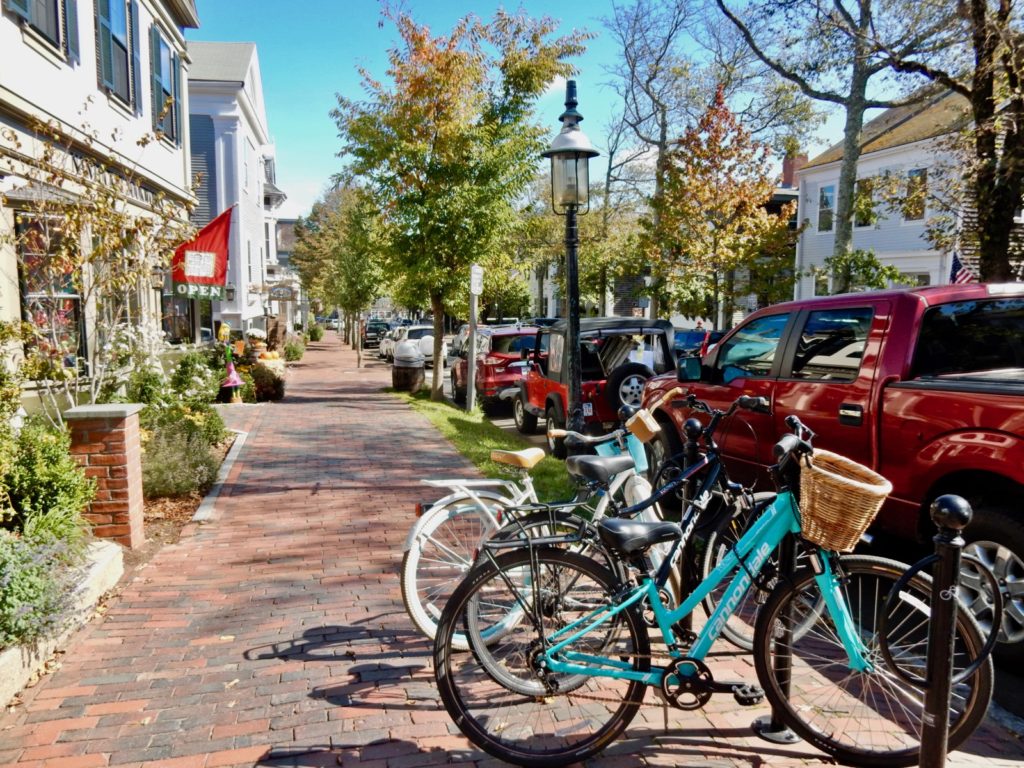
(790, 165)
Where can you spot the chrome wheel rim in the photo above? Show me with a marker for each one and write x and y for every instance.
(1009, 572)
(631, 390)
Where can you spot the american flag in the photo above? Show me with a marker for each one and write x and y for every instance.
(958, 273)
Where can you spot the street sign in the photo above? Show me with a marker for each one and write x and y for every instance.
(476, 280)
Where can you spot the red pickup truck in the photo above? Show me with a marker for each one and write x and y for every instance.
(925, 386)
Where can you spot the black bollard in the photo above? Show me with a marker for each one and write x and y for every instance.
(951, 514)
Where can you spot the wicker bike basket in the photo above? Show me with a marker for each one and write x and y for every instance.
(839, 499)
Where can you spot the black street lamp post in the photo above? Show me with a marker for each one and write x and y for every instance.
(570, 154)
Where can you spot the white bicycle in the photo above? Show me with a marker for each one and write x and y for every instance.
(443, 543)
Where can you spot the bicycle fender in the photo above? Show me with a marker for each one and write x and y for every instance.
(438, 508)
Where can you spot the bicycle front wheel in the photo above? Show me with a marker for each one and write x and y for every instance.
(500, 696)
(870, 718)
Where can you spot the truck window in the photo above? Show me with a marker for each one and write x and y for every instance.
(970, 336)
(832, 344)
(751, 350)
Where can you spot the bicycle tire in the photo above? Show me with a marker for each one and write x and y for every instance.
(453, 531)
(559, 728)
(873, 718)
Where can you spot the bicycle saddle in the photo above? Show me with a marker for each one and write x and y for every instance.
(599, 469)
(629, 537)
(526, 458)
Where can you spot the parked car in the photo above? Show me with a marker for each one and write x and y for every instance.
(373, 332)
(423, 335)
(459, 340)
(617, 357)
(922, 385)
(499, 365)
(695, 341)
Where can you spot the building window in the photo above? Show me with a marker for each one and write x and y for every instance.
(117, 49)
(915, 279)
(266, 237)
(864, 203)
(51, 302)
(248, 260)
(165, 74)
(55, 20)
(826, 207)
(915, 203)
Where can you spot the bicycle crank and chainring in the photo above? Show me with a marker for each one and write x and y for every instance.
(687, 683)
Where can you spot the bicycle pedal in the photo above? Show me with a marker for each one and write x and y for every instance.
(748, 695)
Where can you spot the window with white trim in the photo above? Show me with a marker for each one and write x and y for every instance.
(826, 207)
(55, 20)
(915, 203)
(165, 77)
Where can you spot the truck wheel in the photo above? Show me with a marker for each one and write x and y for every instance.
(526, 422)
(555, 444)
(996, 537)
(626, 385)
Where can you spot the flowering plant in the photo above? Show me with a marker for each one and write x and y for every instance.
(257, 334)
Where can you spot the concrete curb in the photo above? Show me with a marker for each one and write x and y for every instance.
(204, 513)
(103, 568)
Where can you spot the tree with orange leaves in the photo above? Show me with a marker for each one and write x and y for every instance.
(715, 238)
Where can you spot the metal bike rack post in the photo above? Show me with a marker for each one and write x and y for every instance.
(771, 727)
(951, 514)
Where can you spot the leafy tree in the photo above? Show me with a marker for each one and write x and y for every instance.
(713, 224)
(675, 58)
(861, 270)
(826, 49)
(446, 144)
(984, 65)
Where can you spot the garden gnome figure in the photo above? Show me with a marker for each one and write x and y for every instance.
(232, 381)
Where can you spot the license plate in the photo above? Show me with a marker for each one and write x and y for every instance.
(588, 409)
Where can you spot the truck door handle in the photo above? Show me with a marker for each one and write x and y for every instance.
(851, 415)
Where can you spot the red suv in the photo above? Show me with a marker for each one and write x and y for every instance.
(617, 357)
(499, 366)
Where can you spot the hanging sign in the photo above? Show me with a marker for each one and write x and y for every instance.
(199, 268)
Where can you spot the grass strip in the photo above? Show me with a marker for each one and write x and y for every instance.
(475, 437)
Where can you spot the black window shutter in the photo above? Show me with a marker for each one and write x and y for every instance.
(71, 29)
(176, 74)
(18, 7)
(104, 44)
(155, 82)
(136, 59)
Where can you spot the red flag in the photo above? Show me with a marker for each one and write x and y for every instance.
(200, 266)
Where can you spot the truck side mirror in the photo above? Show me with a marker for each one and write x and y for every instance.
(688, 369)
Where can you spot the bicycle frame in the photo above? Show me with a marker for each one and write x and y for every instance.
(746, 559)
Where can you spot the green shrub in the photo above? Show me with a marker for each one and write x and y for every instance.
(176, 462)
(146, 386)
(35, 588)
(248, 388)
(268, 385)
(199, 419)
(47, 489)
(294, 350)
(316, 332)
(194, 380)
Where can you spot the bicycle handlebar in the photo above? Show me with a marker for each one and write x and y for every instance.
(586, 439)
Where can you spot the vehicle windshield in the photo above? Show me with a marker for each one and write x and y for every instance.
(970, 336)
(419, 333)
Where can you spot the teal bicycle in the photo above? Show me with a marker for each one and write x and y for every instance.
(566, 678)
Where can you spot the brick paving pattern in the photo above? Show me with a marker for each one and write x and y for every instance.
(275, 635)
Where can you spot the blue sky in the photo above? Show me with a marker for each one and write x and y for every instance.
(306, 57)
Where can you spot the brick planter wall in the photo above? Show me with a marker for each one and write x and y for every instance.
(105, 441)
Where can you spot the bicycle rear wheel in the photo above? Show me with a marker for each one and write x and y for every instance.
(500, 696)
(870, 718)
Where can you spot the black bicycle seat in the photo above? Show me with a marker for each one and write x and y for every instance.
(598, 469)
(629, 537)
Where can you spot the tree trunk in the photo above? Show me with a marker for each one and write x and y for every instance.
(846, 190)
(437, 372)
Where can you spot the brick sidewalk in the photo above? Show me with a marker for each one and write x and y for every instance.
(275, 635)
